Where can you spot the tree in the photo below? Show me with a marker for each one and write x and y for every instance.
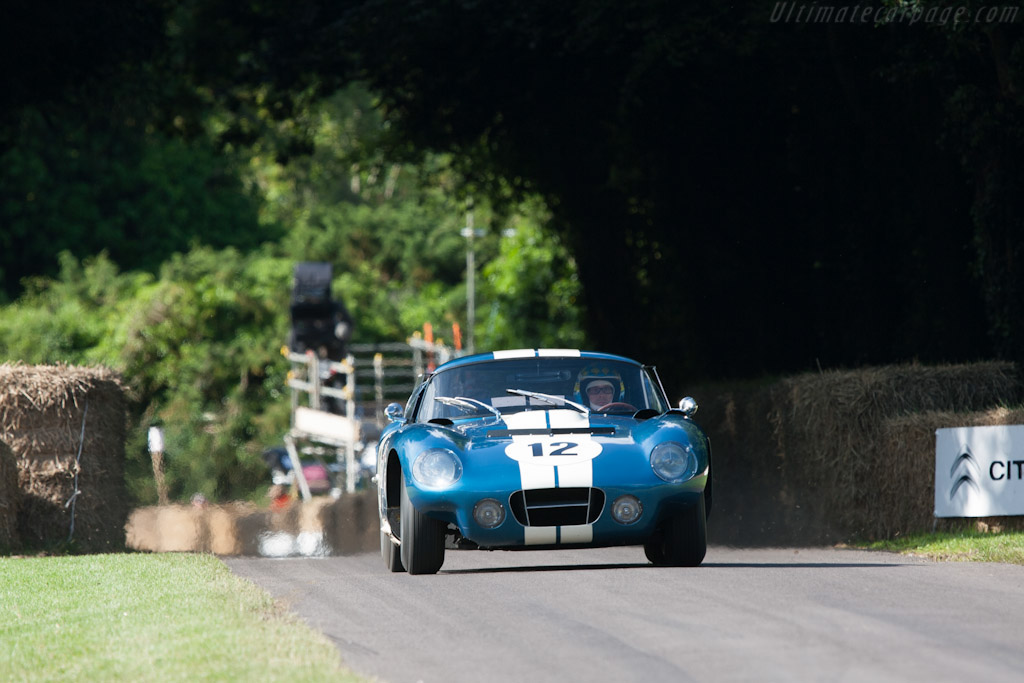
(83, 185)
(197, 335)
(981, 75)
(745, 178)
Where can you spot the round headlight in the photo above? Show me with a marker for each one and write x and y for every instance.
(437, 468)
(626, 509)
(673, 461)
(489, 513)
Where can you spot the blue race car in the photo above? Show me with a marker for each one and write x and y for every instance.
(542, 449)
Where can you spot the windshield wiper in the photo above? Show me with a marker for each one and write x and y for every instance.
(466, 404)
(550, 398)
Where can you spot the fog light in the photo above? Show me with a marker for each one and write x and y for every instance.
(489, 513)
(626, 509)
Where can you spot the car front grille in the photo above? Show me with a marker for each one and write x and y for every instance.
(557, 507)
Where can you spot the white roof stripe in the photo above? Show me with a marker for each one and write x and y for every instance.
(574, 353)
(515, 353)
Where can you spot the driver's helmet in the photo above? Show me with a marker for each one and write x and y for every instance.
(593, 373)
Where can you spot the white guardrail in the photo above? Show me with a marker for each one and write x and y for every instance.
(331, 401)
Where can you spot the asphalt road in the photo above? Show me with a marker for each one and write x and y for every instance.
(606, 615)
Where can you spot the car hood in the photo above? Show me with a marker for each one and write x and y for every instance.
(558, 426)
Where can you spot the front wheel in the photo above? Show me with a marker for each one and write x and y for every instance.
(654, 549)
(683, 540)
(422, 549)
(391, 553)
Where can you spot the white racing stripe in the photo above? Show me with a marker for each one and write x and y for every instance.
(533, 353)
(578, 473)
(534, 475)
(515, 353)
(569, 418)
(575, 476)
(560, 353)
(579, 533)
(541, 535)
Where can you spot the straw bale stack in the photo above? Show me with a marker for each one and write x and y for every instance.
(61, 422)
(10, 496)
(830, 428)
(214, 529)
(910, 442)
(814, 458)
(344, 526)
(352, 524)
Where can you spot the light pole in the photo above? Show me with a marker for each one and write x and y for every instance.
(469, 232)
(156, 453)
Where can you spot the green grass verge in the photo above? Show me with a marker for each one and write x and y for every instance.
(150, 618)
(962, 546)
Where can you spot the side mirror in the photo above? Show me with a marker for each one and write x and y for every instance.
(688, 406)
(394, 412)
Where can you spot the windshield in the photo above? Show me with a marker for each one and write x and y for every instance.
(513, 385)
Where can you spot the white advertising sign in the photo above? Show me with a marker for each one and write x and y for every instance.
(979, 471)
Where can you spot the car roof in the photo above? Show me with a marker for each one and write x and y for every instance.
(511, 354)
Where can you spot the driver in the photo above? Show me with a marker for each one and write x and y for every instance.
(596, 387)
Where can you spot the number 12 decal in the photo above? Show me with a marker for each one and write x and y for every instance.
(553, 448)
(553, 451)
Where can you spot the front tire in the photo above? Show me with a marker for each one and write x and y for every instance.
(391, 553)
(422, 549)
(654, 549)
(683, 541)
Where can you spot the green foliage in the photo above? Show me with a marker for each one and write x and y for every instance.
(974, 54)
(685, 140)
(530, 291)
(198, 346)
(197, 333)
(78, 185)
(662, 164)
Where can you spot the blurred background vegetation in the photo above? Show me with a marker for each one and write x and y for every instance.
(712, 189)
(170, 259)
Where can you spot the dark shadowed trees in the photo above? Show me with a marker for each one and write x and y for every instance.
(741, 192)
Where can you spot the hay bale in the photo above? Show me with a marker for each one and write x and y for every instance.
(220, 535)
(64, 422)
(163, 529)
(808, 459)
(910, 442)
(305, 527)
(352, 523)
(218, 529)
(10, 496)
(831, 425)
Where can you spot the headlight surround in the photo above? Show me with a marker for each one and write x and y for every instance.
(436, 468)
(674, 462)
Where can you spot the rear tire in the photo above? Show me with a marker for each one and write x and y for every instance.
(684, 539)
(422, 549)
